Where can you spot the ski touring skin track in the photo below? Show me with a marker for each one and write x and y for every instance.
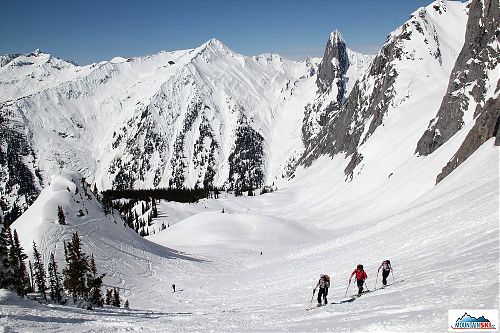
(352, 298)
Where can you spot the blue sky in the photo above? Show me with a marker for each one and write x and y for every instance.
(87, 31)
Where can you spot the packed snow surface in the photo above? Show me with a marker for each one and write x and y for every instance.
(443, 245)
(250, 264)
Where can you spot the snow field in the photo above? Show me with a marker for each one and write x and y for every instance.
(443, 244)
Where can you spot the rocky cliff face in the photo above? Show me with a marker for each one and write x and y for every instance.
(413, 49)
(470, 80)
(474, 85)
(334, 65)
(334, 73)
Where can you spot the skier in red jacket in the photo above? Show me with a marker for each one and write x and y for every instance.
(361, 276)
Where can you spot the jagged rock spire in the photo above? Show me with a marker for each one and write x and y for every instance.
(335, 61)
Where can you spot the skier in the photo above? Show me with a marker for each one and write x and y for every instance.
(386, 269)
(361, 276)
(323, 284)
(173, 287)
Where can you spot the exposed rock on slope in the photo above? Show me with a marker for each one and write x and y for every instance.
(472, 79)
(339, 68)
(474, 82)
(417, 47)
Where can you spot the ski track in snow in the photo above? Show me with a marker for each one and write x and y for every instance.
(443, 240)
(442, 245)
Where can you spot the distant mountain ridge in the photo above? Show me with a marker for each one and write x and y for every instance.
(200, 117)
(211, 117)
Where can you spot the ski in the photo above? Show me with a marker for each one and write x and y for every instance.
(315, 307)
(390, 284)
(352, 298)
(362, 293)
(347, 300)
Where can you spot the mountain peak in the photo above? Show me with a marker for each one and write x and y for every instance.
(335, 62)
(36, 53)
(213, 49)
(336, 37)
(214, 44)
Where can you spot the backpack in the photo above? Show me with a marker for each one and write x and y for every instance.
(327, 281)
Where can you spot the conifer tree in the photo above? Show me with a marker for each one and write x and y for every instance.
(60, 216)
(6, 274)
(54, 281)
(17, 259)
(109, 296)
(31, 277)
(130, 220)
(94, 283)
(154, 208)
(115, 301)
(76, 268)
(40, 275)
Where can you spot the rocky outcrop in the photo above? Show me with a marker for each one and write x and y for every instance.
(469, 80)
(474, 86)
(419, 45)
(331, 80)
(334, 65)
(344, 129)
(485, 128)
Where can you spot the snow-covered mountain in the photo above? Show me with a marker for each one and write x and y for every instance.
(337, 74)
(199, 117)
(209, 116)
(400, 163)
(444, 60)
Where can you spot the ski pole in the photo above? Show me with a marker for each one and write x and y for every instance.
(314, 292)
(347, 288)
(393, 276)
(366, 286)
(376, 280)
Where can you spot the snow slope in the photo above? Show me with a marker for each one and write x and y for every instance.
(442, 239)
(170, 106)
(444, 245)
(199, 117)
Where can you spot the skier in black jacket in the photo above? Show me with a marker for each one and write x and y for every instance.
(323, 284)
